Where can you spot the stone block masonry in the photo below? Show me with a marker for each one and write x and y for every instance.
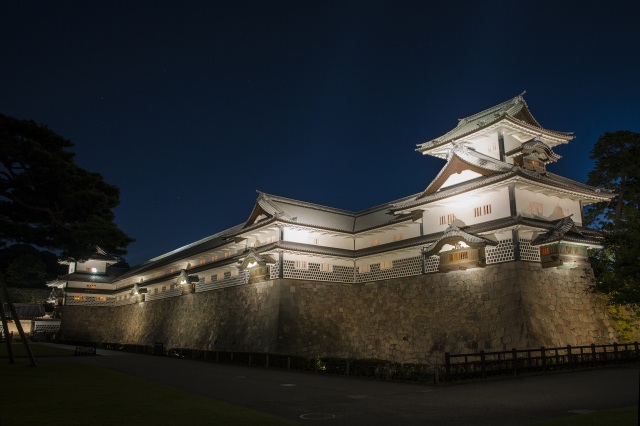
(409, 320)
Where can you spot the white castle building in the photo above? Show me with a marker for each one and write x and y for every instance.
(492, 202)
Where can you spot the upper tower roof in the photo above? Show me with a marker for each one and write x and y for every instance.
(511, 118)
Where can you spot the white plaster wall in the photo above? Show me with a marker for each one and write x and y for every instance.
(387, 235)
(462, 206)
(307, 236)
(99, 265)
(553, 207)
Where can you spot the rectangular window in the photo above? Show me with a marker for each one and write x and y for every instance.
(214, 258)
(234, 273)
(326, 267)
(398, 236)
(155, 290)
(481, 211)
(447, 219)
(220, 276)
(363, 269)
(101, 299)
(301, 264)
(386, 264)
(536, 207)
(453, 257)
(164, 288)
(227, 254)
(91, 286)
(374, 242)
(202, 261)
(79, 298)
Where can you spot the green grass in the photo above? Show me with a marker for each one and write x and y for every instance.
(619, 417)
(19, 351)
(77, 394)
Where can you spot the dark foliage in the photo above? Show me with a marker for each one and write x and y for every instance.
(46, 200)
(617, 265)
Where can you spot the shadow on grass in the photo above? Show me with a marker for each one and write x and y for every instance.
(63, 393)
(19, 351)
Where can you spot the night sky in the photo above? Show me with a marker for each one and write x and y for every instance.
(190, 107)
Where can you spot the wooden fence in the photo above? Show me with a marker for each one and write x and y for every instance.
(517, 361)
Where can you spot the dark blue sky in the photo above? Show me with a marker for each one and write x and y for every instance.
(190, 107)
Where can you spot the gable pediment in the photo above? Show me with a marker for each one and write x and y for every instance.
(463, 165)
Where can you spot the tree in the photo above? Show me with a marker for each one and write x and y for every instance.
(617, 265)
(46, 200)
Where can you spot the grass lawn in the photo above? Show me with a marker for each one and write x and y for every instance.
(619, 417)
(61, 393)
(19, 351)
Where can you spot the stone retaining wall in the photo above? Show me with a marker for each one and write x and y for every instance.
(411, 319)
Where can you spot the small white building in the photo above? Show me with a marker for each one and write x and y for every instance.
(493, 201)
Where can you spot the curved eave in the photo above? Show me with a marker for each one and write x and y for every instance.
(557, 137)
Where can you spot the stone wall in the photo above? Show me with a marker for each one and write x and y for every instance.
(235, 318)
(412, 319)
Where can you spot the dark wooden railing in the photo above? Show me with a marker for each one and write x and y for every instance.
(517, 361)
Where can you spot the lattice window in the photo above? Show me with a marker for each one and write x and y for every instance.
(503, 252)
(89, 300)
(399, 268)
(164, 294)
(326, 267)
(447, 219)
(528, 252)
(301, 264)
(363, 269)
(431, 264)
(227, 281)
(314, 272)
(482, 210)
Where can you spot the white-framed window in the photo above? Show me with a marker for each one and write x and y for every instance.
(386, 264)
(326, 267)
(374, 242)
(397, 237)
(300, 264)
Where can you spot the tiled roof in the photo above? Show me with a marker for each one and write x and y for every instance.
(508, 109)
(564, 230)
(536, 145)
(453, 232)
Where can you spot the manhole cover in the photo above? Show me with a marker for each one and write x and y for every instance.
(317, 416)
